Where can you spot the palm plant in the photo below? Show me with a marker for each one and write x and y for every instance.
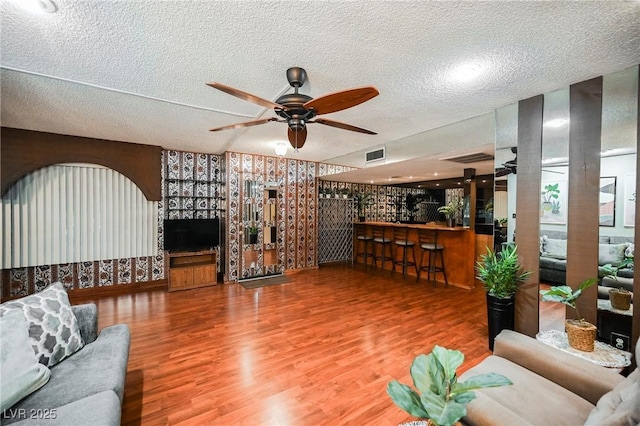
(501, 273)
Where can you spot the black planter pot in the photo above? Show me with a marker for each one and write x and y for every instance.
(253, 238)
(500, 316)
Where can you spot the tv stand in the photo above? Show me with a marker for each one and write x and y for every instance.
(192, 269)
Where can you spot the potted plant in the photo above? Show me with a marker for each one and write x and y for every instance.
(253, 235)
(321, 192)
(344, 192)
(451, 210)
(363, 200)
(620, 297)
(580, 333)
(440, 398)
(329, 192)
(501, 275)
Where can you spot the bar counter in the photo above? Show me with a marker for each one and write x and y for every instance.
(459, 251)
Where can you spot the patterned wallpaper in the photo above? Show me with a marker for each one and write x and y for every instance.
(189, 173)
(296, 210)
(387, 202)
(192, 187)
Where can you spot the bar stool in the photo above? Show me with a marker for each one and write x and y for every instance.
(364, 241)
(381, 240)
(401, 241)
(428, 239)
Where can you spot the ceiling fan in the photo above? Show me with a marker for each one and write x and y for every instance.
(298, 110)
(510, 166)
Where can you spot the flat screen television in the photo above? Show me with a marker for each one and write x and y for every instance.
(191, 234)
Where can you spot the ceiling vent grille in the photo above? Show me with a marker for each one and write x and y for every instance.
(476, 157)
(377, 155)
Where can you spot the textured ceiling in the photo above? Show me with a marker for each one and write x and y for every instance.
(135, 71)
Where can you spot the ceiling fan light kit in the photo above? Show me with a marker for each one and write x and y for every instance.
(298, 110)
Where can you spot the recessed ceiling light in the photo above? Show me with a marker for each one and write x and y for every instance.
(435, 174)
(556, 122)
(467, 72)
(437, 184)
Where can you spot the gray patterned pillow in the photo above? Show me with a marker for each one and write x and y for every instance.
(54, 333)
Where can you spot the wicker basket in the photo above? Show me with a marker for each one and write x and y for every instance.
(620, 299)
(581, 335)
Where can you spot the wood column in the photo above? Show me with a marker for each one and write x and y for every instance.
(585, 123)
(528, 210)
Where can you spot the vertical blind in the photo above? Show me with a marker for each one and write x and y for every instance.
(75, 213)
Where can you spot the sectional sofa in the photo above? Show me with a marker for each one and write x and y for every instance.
(612, 250)
(551, 387)
(85, 387)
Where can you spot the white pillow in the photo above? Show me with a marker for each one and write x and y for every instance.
(54, 332)
(21, 372)
(553, 248)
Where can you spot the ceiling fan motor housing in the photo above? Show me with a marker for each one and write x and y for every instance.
(296, 76)
(295, 113)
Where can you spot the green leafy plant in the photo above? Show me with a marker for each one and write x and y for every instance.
(489, 205)
(363, 200)
(440, 397)
(611, 271)
(566, 295)
(344, 191)
(555, 207)
(253, 230)
(452, 208)
(500, 272)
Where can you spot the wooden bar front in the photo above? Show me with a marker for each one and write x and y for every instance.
(459, 251)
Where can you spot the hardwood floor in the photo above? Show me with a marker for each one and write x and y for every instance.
(319, 350)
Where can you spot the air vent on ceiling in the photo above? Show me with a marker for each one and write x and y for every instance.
(476, 157)
(377, 155)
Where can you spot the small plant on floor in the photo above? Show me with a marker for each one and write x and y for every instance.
(440, 397)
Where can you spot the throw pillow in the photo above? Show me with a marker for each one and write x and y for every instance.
(618, 407)
(611, 254)
(553, 248)
(53, 328)
(21, 372)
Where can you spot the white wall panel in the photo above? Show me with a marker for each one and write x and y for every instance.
(75, 213)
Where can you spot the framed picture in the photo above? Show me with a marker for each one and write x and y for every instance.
(553, 202)
(630, 200)
(608, 201)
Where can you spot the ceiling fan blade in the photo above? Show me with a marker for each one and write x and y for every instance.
(297, 138)
(246, 96)
(503, 171)
(341, 100)
(344, 126)
(245, 124)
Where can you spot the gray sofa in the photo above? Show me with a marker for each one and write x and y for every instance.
(553, 260)
(551, 387)
(87, 387)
